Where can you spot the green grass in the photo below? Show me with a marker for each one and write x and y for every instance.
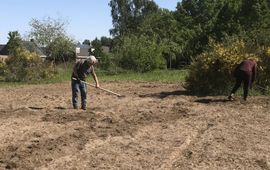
(10, 84)
(169, 76)
(64, 74)
(157, 75)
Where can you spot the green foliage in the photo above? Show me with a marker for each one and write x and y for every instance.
(155, 75)
(3, 68)
(61, 50)
(128, 14)
(51, 34)
(211, 72)
(14, 41)
(264, 69)
(103, 57)
(86, 42)
(184, 33)
(140, 54)
(164, 27)
(26, 66)
(201, 19)
(105, 41)
(45, 31)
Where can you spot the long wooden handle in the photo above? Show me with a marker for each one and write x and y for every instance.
(109, 91)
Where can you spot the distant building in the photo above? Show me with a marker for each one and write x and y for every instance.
(32, 47)
(29, 45)
(82, 51)
(3, 52)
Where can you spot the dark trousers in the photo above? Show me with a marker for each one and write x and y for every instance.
(245, 77)
(78, 87)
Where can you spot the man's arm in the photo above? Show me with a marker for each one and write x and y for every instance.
(75, 71)
(95, 77)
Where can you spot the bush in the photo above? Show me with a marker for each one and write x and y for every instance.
(26, 66)
(61, 50)
(140, 54)
(264, 69)
(211, 72)
(2, 68)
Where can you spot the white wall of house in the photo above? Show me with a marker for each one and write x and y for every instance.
(3, 57)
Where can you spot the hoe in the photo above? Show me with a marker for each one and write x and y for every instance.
(109, 91)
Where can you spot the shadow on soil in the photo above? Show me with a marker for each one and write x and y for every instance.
(163, 95)
(206, 101)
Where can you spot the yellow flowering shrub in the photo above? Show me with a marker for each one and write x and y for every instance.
(268, 51)
(211, 72)
(2, 68)
(26, 66)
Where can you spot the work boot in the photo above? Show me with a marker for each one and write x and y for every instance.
(75, 107)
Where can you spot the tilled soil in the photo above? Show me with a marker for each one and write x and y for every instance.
(155, 126)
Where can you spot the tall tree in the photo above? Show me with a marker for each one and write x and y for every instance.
(86, 42)
(14, 41)
(164, 27)
(128, 14)
(47, 30)
(61, 50)
(255, 18)
(201, 19)
(105, 41)
(51, 34)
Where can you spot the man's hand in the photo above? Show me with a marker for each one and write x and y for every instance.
(97, 85)
(78, 80)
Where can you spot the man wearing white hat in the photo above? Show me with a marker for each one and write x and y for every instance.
(80, 71)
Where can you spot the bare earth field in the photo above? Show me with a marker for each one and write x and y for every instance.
(155, 126)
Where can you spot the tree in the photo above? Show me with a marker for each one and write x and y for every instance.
(255, 18)
(51, 35)
(201, 19)
(105, 60)
(128, 14)
(164, 27)
(23, 65)
(140, 53)
(61, 50)
(105, 41)
(86, 42)
(47, 30)
(14, 41)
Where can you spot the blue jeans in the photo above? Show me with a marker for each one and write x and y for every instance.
(78, 87)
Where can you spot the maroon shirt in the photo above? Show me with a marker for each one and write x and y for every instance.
(248, 66)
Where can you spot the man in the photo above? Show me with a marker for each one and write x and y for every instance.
(80, 71)
(245, 72)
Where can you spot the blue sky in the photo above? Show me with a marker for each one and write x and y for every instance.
(87, 19)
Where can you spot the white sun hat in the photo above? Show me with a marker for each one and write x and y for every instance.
(92, 59)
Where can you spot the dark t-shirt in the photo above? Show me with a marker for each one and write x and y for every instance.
(82, 69)
(248, 66)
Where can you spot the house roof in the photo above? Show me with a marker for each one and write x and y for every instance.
(83, 46)
(30, 46)
(3, 49)
(2, 46)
